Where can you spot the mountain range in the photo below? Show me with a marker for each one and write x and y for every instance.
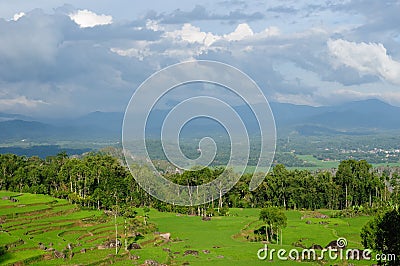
(355, 118)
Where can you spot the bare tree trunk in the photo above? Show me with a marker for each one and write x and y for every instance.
(116, 232)
(116, 226)
(384, 189)
(272, 232)
(220, 197)
(204, 205)
(190, 194)
(220, 200)
(84, 188)
(370, 199)
(126, 232)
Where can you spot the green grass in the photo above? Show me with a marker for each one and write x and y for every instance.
(319, 164)
(224, 237)
(20, 256)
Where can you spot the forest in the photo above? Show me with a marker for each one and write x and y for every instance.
(101, 180)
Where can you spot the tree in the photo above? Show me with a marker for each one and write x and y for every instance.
(382, 233)
(280, 174)
(3, 250)
(115, 223)
(274, 219)
(146, 211)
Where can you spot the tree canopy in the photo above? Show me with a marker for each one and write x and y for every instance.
(382, 234)
(274, 219)
(95, 179)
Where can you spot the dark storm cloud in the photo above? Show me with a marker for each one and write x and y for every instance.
(380, 18)
(49, 57)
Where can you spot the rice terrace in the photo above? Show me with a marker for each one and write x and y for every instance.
(37, 228)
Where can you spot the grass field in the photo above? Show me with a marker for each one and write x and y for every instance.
(319, 164)
(221, 241)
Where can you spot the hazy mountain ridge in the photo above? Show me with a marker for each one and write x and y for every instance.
(360, 117)
(7, 117)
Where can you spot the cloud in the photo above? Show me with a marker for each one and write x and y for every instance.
(366, 58)
(189, 42)
(192, 34)
(241, 32)
(18, 102)
(295, 99)
(200, 13)
(283, 9)
(18, 16)
(239, 3)
(372, 21)
(85, 18)
(29, 45)
(312, 56)
(71, 69)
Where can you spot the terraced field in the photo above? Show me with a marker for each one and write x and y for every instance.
(34, 227)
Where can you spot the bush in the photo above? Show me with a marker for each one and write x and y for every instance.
(224, 211)
(382, 234)
(3, 250)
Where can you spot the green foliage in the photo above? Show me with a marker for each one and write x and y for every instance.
(56, 224)
(129, 212)
(274, 219)
(96, 180)
(63, 223)
(327, 151)
(291, 160)
(382, 233)
(3, 250)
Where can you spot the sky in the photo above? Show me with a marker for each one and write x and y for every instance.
(67, 58)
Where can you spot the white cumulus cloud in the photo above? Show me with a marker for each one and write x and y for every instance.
(18, 16)
(241, 32)
(20, 101)
(86, 18)
(192, 34)
(366, 58)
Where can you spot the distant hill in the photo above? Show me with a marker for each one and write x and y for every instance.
(20, 129)
(6, 117)
(93, 126)
(359, 117)
(106, 120)
(42, 151)
(352, 118)
(98, 125)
